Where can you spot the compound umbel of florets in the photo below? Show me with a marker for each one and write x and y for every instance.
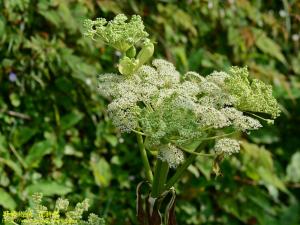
(117, 33)
(172, 110)
(123, 36)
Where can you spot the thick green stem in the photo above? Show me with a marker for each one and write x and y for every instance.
(145, 160)
(181, 169)
(160, 177)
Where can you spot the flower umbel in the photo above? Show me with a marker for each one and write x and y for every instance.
(117, 33)
(227, 146)
(169, 108)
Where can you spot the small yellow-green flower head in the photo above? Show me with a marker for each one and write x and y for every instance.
(251, 95)
(118, 33)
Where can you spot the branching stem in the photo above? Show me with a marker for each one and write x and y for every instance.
(145, 160)
(181, 169)
(160, 177)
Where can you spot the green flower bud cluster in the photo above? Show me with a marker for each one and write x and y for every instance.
(117, 33)
(252, 96)
(124, 37)
(129, 64)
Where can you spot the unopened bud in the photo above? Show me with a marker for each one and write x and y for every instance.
(128, 66)
(146, 53)
(131, 52)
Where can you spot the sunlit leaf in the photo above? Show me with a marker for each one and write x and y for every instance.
(37, 152)
(268, 46)
(101, 170)
(293, 169)
(48, 188)
(6, 200)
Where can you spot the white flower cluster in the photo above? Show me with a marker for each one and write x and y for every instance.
(173, 110)
(239, 121)
(172, 155)
(170, 108)
(227, 146)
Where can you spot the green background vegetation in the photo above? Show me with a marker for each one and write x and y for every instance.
(56, 137)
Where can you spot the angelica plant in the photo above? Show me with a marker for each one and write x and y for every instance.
(175, 115)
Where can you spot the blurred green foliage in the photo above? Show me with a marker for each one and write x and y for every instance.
(56, 138)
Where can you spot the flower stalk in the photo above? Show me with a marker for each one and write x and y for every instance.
(148, 171)
(160, 177)
(182, 168)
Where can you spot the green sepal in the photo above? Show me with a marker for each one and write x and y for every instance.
(128, 66)
(145, 53)
(131, 52)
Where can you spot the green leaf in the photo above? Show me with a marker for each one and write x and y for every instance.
(12, 165)
(267, 45)
(260, 199)
(70, 150)
(2, 27)
(258, 165)
(110, 6)
(101, 170)
(112, 139)
(193, 169)
(293, 169)
(6, 200)
(295, 64)
(22, 135)
(14, 99)
(51, 15)
(48, 188)
(37, 152)
(204, 164)
(3, 144)
(71, 119)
